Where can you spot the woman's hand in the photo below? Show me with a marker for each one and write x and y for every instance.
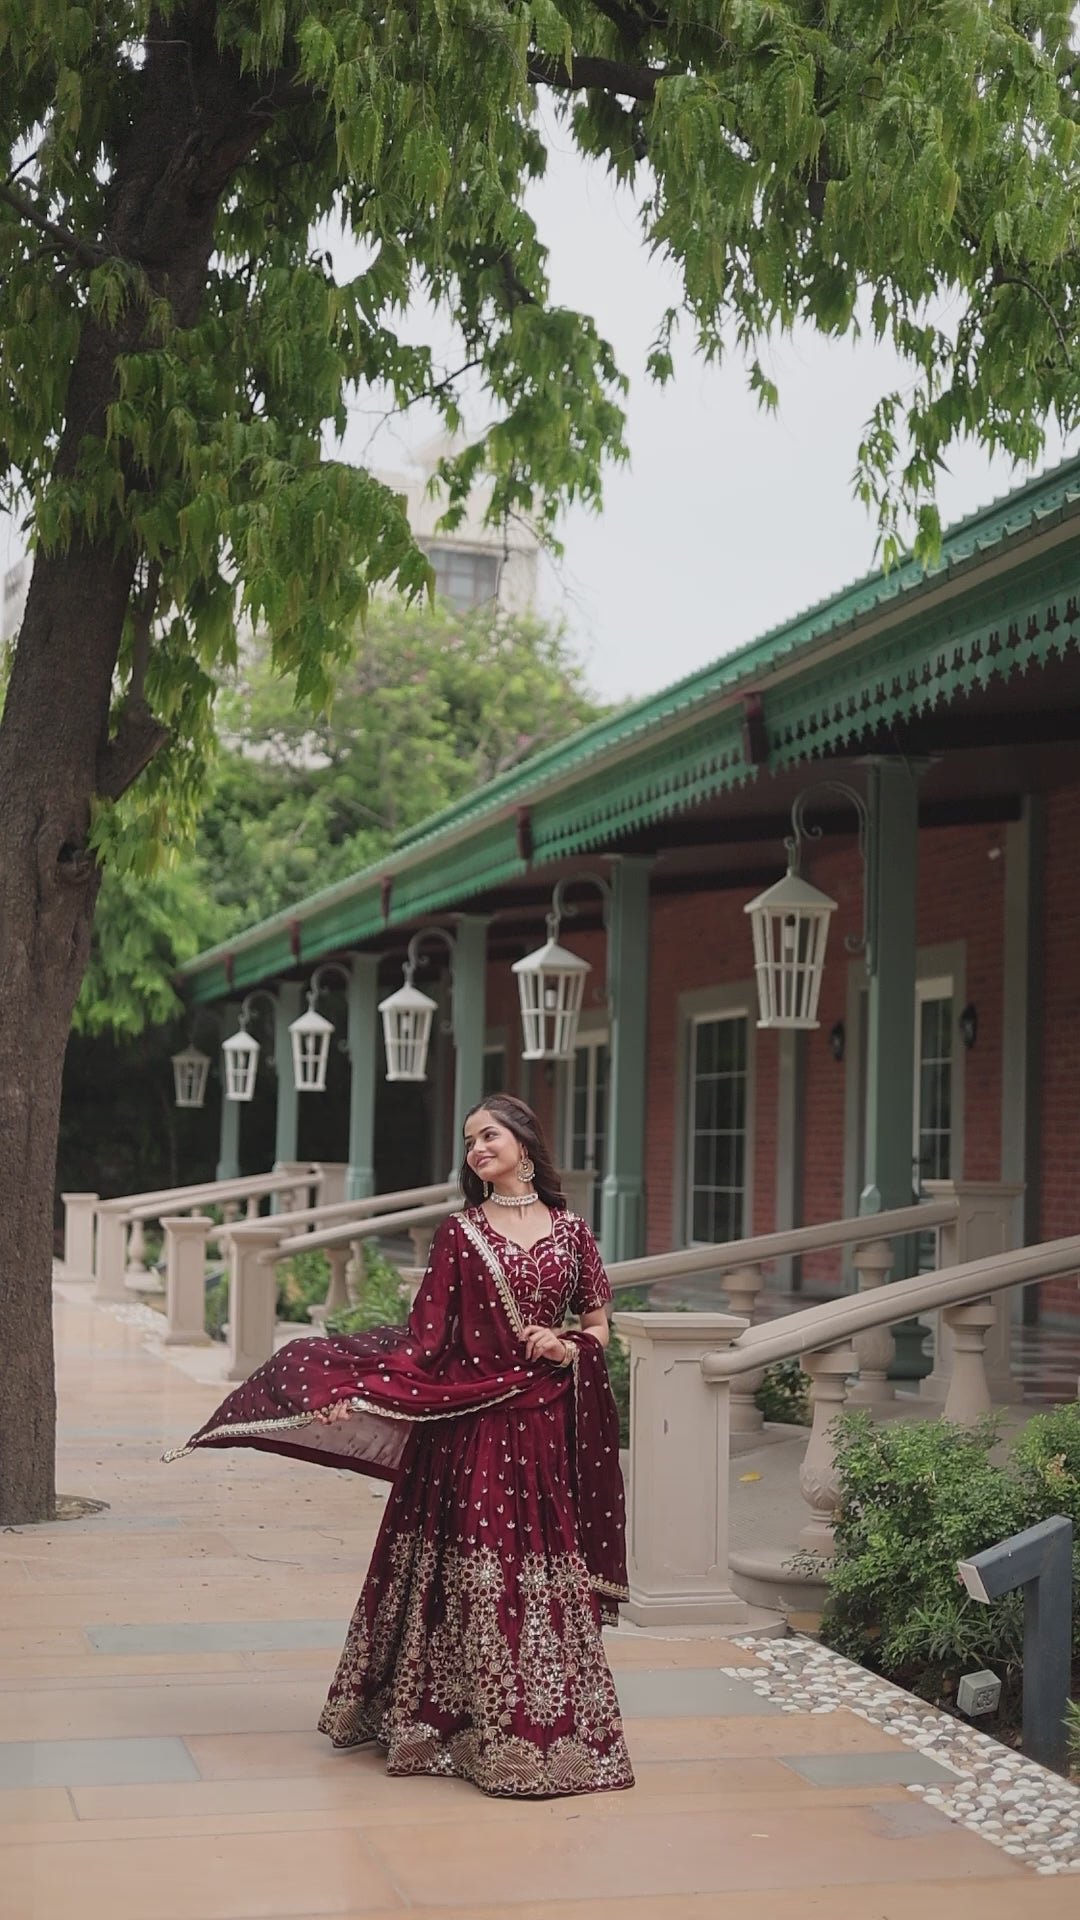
(340, 1410)
(543, 1343)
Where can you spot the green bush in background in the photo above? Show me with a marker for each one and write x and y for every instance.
(381, 1301)
(917, 1497)
(303, 1282)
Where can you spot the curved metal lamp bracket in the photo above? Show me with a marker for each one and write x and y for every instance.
(415, 955)
(854, 942)
(564, 909)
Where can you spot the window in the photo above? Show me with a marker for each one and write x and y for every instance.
(718, 1088)
(586, 1115)
(466, 580)
(934, 1026)
(494, 1075)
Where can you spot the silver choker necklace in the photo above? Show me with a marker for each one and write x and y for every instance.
(512, 1199)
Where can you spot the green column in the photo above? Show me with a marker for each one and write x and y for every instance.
(363, 996)
(469, 1013)
(622, 1214)
(891, 878)
(289, 996)
(228, 1166)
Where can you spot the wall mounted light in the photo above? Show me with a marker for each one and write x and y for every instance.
(407, 1015)
(311, 1033)
(790, 925)
(837, 1040)
(551, 981)
(968, 1024)
(240, 1052)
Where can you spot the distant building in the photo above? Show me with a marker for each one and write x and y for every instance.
(476, 565)
(16, 588)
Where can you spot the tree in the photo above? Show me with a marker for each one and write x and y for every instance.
(174, 344)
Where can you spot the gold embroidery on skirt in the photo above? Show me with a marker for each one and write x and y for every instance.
(467, 1667)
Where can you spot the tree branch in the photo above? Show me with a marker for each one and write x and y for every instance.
(608, 76)
(84, 251)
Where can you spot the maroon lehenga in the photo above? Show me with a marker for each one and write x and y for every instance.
(475, 1648)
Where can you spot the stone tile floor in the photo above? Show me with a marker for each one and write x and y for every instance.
(162, 1665)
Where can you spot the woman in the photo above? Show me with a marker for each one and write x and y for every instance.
(476, 1648)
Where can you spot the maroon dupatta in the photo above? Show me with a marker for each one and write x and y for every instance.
(460, 1354)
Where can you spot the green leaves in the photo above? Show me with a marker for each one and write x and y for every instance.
(910, 164)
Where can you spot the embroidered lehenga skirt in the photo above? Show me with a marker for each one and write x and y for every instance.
(476, 1645)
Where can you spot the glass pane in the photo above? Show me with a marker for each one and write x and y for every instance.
(717, 1146)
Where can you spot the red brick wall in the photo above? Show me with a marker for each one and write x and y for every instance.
(1058, 1212)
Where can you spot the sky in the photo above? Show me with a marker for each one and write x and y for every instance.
(726, 520)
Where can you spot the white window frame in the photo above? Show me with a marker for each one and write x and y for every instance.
(735, 1002)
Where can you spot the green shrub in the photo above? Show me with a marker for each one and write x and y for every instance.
(303, 1282)
(381, 1300)
(917, 1497)
(784, 1394)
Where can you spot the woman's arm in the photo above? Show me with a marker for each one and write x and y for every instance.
(596, 1325)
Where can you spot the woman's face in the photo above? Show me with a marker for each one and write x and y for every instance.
(492, 1151)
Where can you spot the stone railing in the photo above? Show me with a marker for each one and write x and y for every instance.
(256, 1247)
(105, 1240)
(685, 1368)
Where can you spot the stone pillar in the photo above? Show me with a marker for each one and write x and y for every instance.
(891, 882)
(622, 1232)
(363, 1036)
(677, 1534)
(228, 1166)
(987, 1222)
(110, 1255)
(743, 1287)
(829, 1370)
(79, 1215)
(252, 1299)
(287, 1130)
(185, 1280)
(468, 1013)
(875, 1348)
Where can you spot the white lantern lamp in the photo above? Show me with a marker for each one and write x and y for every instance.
(241, 1056)
(790, 925)
(551, 988)
(310, 1035)
(408, 1014)
(551, 982)
(190, 1072)
(407, 1017)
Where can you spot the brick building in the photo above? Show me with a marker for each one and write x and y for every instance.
(948, 703)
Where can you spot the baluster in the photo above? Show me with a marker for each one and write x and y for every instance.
(829, 1369)
(337, 1294)
(968, 1397)
(254, 1201)
(876, 1348)
(135, 1272)
(743, 1288)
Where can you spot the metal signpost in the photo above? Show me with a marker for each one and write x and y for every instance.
(1040, 1561)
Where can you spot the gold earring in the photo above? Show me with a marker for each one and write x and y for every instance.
(526, 1170)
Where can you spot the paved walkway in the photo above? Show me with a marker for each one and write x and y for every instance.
(163, 1663)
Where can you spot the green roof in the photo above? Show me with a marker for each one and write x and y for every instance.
(587, 755)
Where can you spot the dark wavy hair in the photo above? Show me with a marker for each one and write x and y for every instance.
(525, 1127)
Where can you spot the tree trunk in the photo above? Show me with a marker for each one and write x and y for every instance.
(197, 120)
